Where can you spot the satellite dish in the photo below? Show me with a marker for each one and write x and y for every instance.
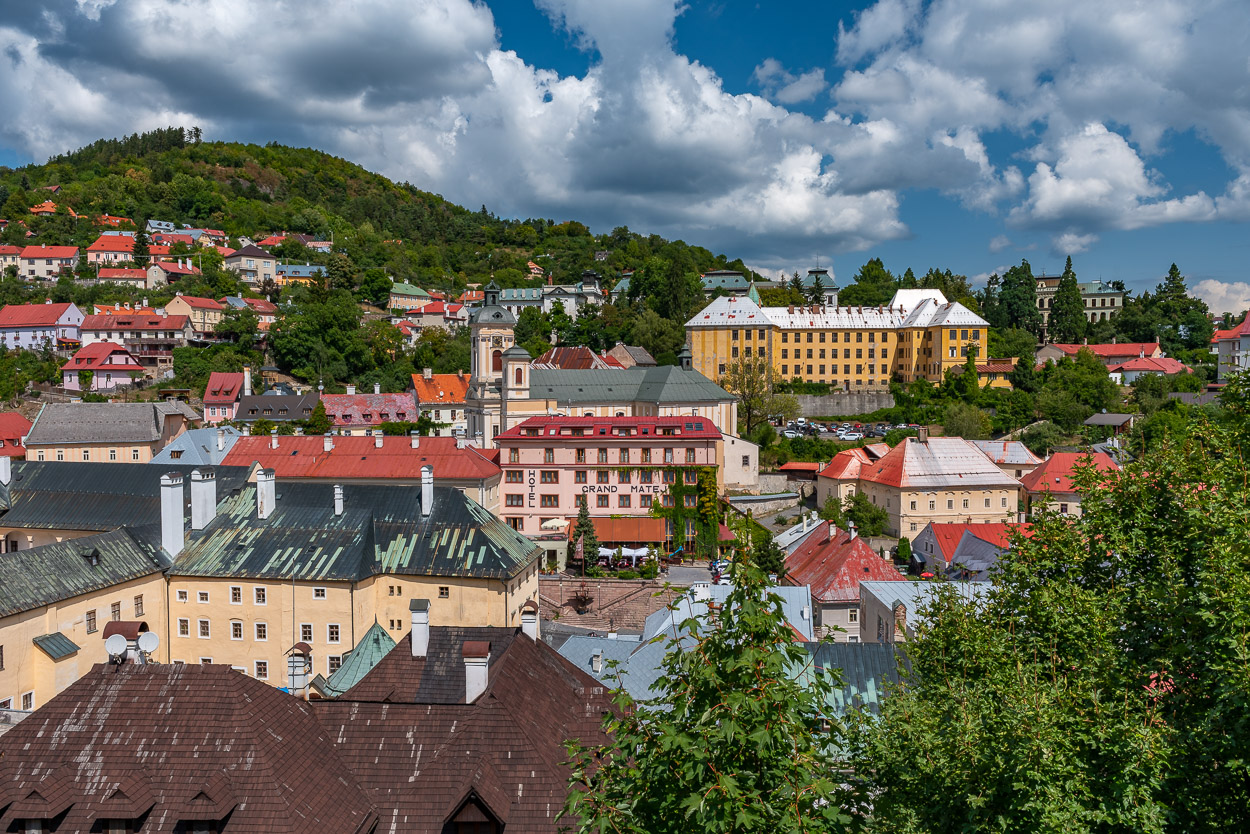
(148, 641)
(115, 645)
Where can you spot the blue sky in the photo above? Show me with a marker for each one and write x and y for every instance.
(963, 134)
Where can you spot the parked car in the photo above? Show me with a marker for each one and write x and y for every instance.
(791, 434)
(852, 436)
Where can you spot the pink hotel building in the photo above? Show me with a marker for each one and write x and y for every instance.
(621, 464)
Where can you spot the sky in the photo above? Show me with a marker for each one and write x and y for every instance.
(961, 134)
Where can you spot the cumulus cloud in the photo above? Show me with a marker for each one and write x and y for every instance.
(780, 85)
(999, 243)
(1223, 297)
(1072, 243)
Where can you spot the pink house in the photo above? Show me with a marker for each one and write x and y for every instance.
(32, 326)
(221, 396)
(110, 366)
(623, 465)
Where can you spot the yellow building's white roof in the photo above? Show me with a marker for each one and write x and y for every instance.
(908, 308)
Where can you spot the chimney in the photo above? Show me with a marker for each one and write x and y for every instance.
(420, 609)
(351, 389)
(922, 434)
(266, 493)
(596, 662)
(171, 513)
(247, 382)
(1085, 341)
(459, 442)
(427, 373)
(273, 438)
(221, 440)
(203, 497)
(327, 442)
(6, 470)
(415, 438)
(338, 499)
(377, 388)
(529, 619)
(377, 438)
(850, 531)
(476, 669)
(427, 489)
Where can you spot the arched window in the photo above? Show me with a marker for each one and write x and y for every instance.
(519, 374)
(496, 361)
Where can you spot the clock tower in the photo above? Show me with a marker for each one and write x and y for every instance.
(491, 334)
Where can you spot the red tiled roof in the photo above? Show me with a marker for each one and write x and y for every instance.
(174, 268)
(123, 273)
(1146, 364)
(100, 356)
(111, 220)
(32, 315)
(46, 207)
(620, 530)
(50, 252)
(570, 359)
(225, 251)
(134, 322)
(350, 409)
(939, 462)
(948, 536)
(440, 388)
(800, 466)
(196, 302)
(846, 465)
(119, 310)
(10, 250)
(261, 305)
(223, 388)
(1004, 367)
(170, 238)
(1055, 474)
(1106, 351)
(13, 427)
(833, 564)
(113, 243)
(358, 458)
(702, 427)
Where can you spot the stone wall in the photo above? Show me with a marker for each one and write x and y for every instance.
(843, 404)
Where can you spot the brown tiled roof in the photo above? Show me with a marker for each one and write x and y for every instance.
(197, 742)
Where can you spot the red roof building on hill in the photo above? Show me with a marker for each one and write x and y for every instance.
(13, 427)
(938, 544)
(221, 396)
(832, 562)
(32, 326)
(574, 359)
(127, 276)
(441, 398)
(1109, 354)
(1128, 372)
(111, 249)
(370, 460)
(111, 367)
(358, 413)
(47, 262)
(1051, 483)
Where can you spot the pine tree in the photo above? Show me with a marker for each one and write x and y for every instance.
(904, 551)
(142, 254)
(1017, 300)
(584, 529)
(816, 292)
(1067, 322)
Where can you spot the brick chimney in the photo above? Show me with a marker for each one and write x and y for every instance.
(420, 609)
(476, 669)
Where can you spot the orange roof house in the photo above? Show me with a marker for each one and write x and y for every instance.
(1051, 483)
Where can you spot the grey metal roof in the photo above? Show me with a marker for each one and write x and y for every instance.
(866, 671)
(31, 579)
(663, 384)
(281, 407)
(198, 447)
(103, 422)
(1108, 419)
(49, 495)
(914, 595)
(796, 607)
(381, 531)
(55, 645)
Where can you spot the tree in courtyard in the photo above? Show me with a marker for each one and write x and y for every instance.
(739, 738)
(1067, 324)
(584, 530)
(966, 421)
(318, 422)
(768, 555)
(751, 378)
(904, 551)
(869, 519)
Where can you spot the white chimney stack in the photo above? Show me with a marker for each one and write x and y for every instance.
(529, 619)
(850, 530)
(203, 497)
(171, 513)
(6, 470)
(338, 499)
(327, 442)
(416, 439)
(221, 440)
(596, 662)
(266, 493)
(377, 388)
(427, 489)
(377, 439)
(247, 382)
(476, 669)
(420, 609)
(427, 373)
(273, 438)
(351, 389)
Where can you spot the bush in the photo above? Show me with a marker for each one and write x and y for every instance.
(650, 570)
(627, 574)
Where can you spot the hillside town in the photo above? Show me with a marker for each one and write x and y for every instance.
(397, 546)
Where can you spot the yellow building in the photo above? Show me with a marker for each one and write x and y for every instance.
(920, 335)
(106, 432)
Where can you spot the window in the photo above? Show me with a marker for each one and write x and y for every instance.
(987, 503)
(549, 500)
(115, 611)
(514, 476)
(1063, 508)
(60, 454)
(236, 595)
(444, 591)
(689, 500)
(332, 633)
(852, 616)
(667, 501)
(668, 476)
(965, 503)
(623, 501)
(514, 456)
(262, 631)
(236, 630)
(913, 526)
(624, 456)
(950, 505)
(548, 476)
(602, 500)
(86, 454)
(690, 477)
(933, 505)
(601, 476)
(333, 662)
(746, 462)
(28, 701)
(319, 593)
(644, 501)
(260, 596)
(306, 632)
(184, 627)
(134, 454)
(138, 605)
(205, 631)
(1004, 500)
(262, 670)
(514, 500)
(91, 626)
(603, 456)
(39, 455)
(201, 596)
(913, 505)
(581, 477)
(112, 454)
(549, 455)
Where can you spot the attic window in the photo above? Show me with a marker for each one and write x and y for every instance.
(175, 454)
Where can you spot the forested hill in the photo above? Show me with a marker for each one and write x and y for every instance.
(248, 189)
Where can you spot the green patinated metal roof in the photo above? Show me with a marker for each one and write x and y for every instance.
(663, 384)
(400, 288)
(56, 645)
(31, 579)
(359, 662)
(866, 671)
(381, 531)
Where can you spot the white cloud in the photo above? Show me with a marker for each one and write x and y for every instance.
(1223, 297)
(1072, 243)
(999, 243)
(779, 84)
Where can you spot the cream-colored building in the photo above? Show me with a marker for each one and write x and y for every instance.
(924, 480)
(920, 335)
(203, 313)
(106, 432)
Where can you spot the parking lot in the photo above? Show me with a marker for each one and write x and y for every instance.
(850, 431)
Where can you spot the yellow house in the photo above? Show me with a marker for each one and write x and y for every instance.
(919, 335)
(204, 313)
(105, 432)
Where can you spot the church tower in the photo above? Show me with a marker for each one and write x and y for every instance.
(491, 333)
